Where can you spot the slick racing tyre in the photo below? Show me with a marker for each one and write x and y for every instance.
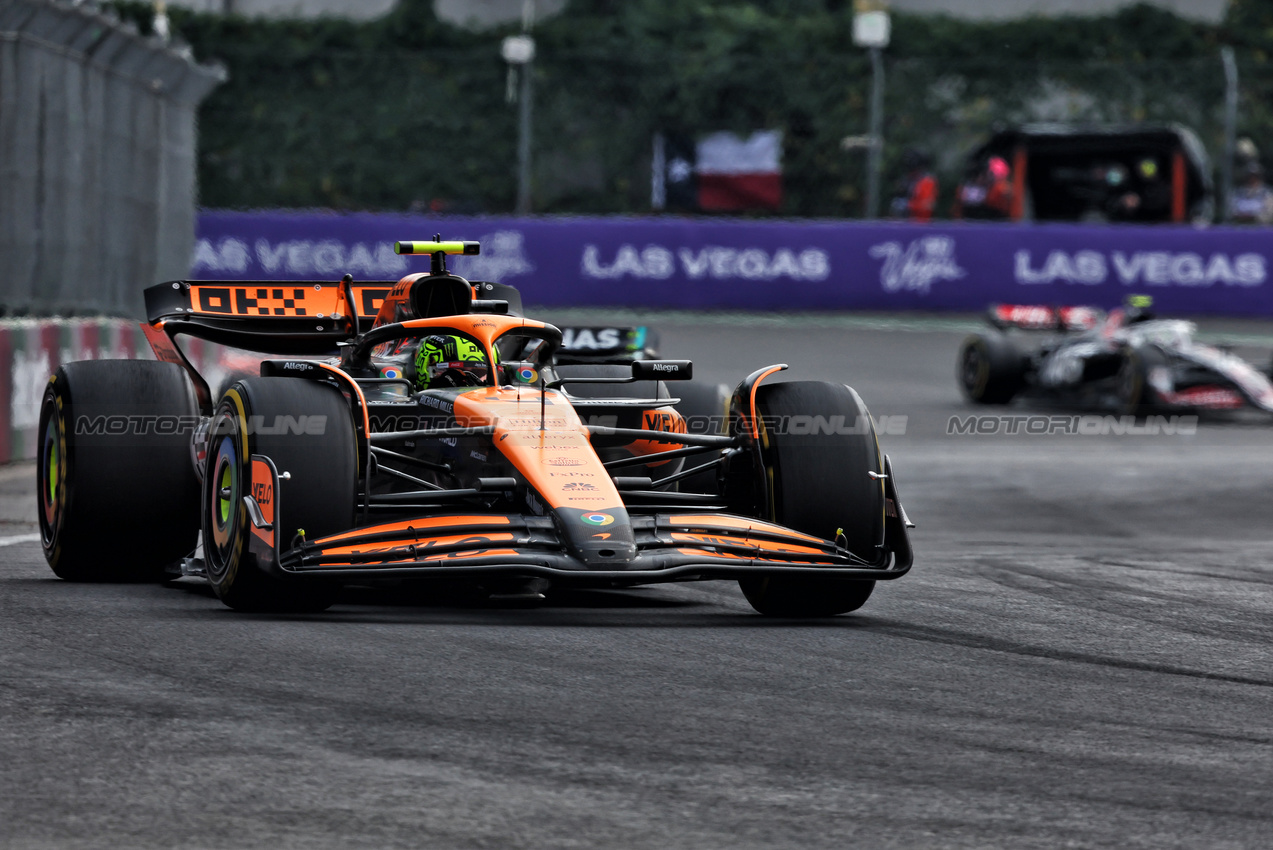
(1136, 396)
(705, 407)
(991, 369)
(820, 483)
(305, 428)
(118, 499)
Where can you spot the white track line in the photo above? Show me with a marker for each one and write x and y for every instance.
(20, 538)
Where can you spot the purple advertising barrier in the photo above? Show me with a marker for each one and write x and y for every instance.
(705, 263)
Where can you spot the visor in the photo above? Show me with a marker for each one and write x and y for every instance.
(476, 368)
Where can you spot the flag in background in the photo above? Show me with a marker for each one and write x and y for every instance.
(736, 173)
(722, 172)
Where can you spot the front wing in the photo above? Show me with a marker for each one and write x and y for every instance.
(670, 547)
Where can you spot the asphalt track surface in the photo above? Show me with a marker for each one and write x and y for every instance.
(1081, 657)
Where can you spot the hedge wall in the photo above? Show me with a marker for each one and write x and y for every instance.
(408, 111)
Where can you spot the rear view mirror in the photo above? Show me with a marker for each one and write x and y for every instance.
(519, 372)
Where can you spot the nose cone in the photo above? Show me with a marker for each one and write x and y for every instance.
(601, 538)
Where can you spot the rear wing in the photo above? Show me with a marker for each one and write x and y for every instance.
(1037, 317)
(276, 317)
(295, 299)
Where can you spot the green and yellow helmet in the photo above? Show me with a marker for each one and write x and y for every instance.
(450, 361)
(1138, 308)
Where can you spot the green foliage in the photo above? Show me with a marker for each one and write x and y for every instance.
(408, 110)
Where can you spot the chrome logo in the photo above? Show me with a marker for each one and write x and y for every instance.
(391, 372)
(527, 375)
(597, 519)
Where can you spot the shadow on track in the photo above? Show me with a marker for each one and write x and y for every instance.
(635, 608)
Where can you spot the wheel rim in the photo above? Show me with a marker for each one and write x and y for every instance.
(224, 498)
(52, 462)
(52, 472)
(976, 370)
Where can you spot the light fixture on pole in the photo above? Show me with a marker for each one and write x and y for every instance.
(871, 29)
(519, 52)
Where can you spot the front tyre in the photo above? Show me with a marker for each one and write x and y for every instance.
(1136, 394)
(306, 429)
(117, 495)
(820, 450)
(705, 408)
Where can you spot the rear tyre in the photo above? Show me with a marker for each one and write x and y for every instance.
(821, 484)
(991, 369)
(118, 499)
(275, 417)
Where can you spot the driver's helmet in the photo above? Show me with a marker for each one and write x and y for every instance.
(449, 361)
(1138, 308)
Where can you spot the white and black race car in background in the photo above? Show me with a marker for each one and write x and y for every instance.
(1126, 360)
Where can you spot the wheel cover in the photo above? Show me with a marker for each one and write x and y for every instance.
(976, 370)
(224, 518)
(52, 472)
(52, 463)
(224, 499)
(226, 496)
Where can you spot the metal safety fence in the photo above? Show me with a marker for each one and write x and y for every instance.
(97, 159)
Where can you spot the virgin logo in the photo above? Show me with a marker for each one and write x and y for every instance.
(917, 266)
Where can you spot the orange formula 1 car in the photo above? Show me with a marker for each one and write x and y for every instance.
(441, 443)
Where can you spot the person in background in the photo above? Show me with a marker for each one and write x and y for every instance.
(917, 196)
(1148, 199)
(1252, 200)
(986, 193)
